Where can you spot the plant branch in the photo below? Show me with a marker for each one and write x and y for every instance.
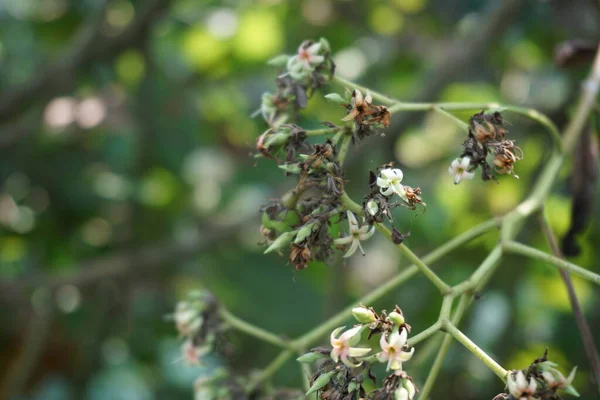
(473, 348)
(531, 252)
(251, 330)
(269, 370)
(584, 329)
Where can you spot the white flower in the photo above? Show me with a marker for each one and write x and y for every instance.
(342, 346)
(187, 320)
(519, 387)
(393, 352)
(389, 183)
(372, 207)
(306, 59)
(459, 168)
(356, 235)
(557, 380)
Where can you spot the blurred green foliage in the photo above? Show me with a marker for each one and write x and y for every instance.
(151, 146)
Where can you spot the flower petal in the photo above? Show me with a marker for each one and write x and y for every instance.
(387, 191)
(352, 221)
(382, 356)
(464, 163)
(335, 354)
(383, 183)
(388, 173)
(350, 333)
(343, 240)
(358, 351)
(352, 248)
(333, 337)
(368, 98)
(406, 355)
(365, 233)
(358, 96)
(315, 60)
(347, 362)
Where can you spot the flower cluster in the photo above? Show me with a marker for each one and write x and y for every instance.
(486, 137)
(343, 369)
(303, 73)
(385, 186)
(362, 111)
(540, 381)
(198, 323)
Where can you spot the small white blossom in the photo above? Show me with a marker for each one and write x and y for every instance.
(556, 380)
(342, 346)
(459, 169)
(372, 207)
(393, 352)
(356, 235)
(519, 387)
(187, 319)
(306, 59)
(389, 183)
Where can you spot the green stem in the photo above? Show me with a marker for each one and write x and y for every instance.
(376, 95)
(473, 348)
(338, 320)
(344, 148)
(531, 252)
(323, 131)
(419, 337)
(429, 274)
(252, 330)
(269, 370)
(480, 273)
(459, 121)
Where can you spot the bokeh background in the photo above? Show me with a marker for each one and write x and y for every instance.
(127, 180)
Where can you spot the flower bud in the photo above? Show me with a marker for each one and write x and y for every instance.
(276, 140)
(401, 394)
(325, 47)
(396, 318)
(281, 242)
(320, 382)
(352, 386)
(278, 61)
(335, 98)
(363, 315)
(372, 207)
(310, 358)
(291, 168)
(410, 388)
(305, 232)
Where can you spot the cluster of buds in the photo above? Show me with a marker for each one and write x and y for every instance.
(343, 368)
(303, 73)
(199, 324)
(540, 381)
(288, 139)
(486, 137)
(385, 187)
(362, 111)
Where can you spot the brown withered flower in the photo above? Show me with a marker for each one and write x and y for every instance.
(363, 112)
(300, 256)
(414, 197)
(487, 127)
(506, 154)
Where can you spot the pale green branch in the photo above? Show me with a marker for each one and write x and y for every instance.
(531, 252)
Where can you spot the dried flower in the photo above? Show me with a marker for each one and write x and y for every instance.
(342, 346)
(393, 351)
(389, 183)
(356, 235)
(556, 380)
(459, 168)
(363, 112)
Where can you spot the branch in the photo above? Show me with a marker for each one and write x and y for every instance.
(584, 329)
(532, 252)
(89, 46)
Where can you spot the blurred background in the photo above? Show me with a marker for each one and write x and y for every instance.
(127, 180)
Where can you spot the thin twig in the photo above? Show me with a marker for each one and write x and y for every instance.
(585, 332)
